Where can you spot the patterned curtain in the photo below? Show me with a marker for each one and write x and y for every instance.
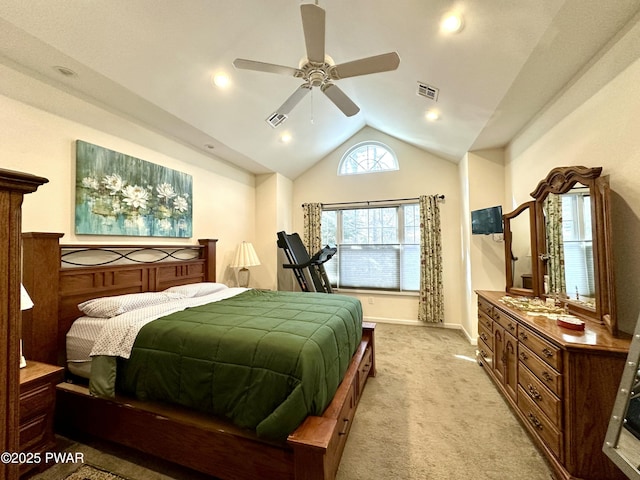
(312, 233)
(555, 245)
(431, 302)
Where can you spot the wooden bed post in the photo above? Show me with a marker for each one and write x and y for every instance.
(13, 187)
(209, 254)
(41, 266)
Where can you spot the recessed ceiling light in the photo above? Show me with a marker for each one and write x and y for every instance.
(285, 137)
(67, 72)
(221, 80)
(452, 23)
(432, 115)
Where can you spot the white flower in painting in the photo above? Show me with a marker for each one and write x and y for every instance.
(90, 182)
(165, 225)
(135, 196)
(165, 190)
(113, 183)
(180, 204)
(116, 206)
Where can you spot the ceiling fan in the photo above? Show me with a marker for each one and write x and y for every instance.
(318, 69)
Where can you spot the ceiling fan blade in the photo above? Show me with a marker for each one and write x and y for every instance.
(243, 64)
(313, 25)
(340, 99)
(365, 66)
(294, 99)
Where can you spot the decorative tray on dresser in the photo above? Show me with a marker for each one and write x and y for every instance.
(560, 382)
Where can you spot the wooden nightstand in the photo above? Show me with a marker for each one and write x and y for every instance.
(37, 404)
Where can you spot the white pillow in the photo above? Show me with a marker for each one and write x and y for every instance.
(107, 307)
(196, 289)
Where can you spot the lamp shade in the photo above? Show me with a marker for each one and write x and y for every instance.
(25, 300)
(245, 256)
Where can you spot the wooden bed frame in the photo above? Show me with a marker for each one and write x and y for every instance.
(203, 443)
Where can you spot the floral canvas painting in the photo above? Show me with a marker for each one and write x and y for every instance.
(117, 194)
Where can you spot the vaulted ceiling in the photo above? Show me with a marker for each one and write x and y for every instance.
(153, 61)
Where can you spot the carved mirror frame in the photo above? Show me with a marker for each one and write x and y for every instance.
(561, 180)
(507, 219)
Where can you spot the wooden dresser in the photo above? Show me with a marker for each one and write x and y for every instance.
(561, 383)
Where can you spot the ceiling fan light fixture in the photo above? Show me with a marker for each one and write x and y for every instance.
(452, 22)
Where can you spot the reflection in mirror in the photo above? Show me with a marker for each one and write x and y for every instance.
(575, 244)
(521, 250)
(519, 238)
(622, 441)
(569, 245)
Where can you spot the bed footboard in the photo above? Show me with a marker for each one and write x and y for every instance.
(214, 447)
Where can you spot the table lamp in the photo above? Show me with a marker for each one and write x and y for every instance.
(245, 257)
(25, 304)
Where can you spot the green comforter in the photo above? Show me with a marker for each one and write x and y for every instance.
(263, 359)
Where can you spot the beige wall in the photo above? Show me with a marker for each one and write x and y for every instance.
(420, 173)
(601, 131)
(43, 144)
(482, 182)
(273, 214)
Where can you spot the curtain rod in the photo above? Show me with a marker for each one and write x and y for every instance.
(369, 202)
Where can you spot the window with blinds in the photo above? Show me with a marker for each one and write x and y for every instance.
(578, 246)
(378, 248)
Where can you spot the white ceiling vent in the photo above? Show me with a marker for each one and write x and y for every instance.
(276, 119)
(428, 91)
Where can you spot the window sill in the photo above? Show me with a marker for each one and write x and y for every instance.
(374, 292)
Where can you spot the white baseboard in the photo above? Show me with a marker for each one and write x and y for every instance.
(418, 323)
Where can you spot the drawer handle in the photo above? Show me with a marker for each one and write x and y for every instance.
(512, 327)
(535, 422)
(524, 356)
(547, 353)
(523, 336)
(488, 323)
(345, 426)
(483, 337)
(483, 354)
(547, 376)
(533, 392)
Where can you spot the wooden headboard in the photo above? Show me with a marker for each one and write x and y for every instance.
(59, 277)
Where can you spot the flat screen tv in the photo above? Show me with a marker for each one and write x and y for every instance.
(486, 221)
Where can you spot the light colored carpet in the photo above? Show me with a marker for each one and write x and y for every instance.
(87, 472)
(430, 414)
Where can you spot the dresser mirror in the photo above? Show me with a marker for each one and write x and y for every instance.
(558, 246)
(573, 243)
(622, 441)
(520, 250)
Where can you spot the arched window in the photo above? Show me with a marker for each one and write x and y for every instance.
(368, 157)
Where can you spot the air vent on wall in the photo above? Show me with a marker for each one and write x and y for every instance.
(276, 119)
(428, 91)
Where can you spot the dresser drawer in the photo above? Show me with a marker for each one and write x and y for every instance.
(36, 400)
(33, 432)
(539, 422)
(485, 354)
(541, 347)
(485, 335)
(485, 307)
(509, 323)
(486, 321)
(541, 395)
(545, 374)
